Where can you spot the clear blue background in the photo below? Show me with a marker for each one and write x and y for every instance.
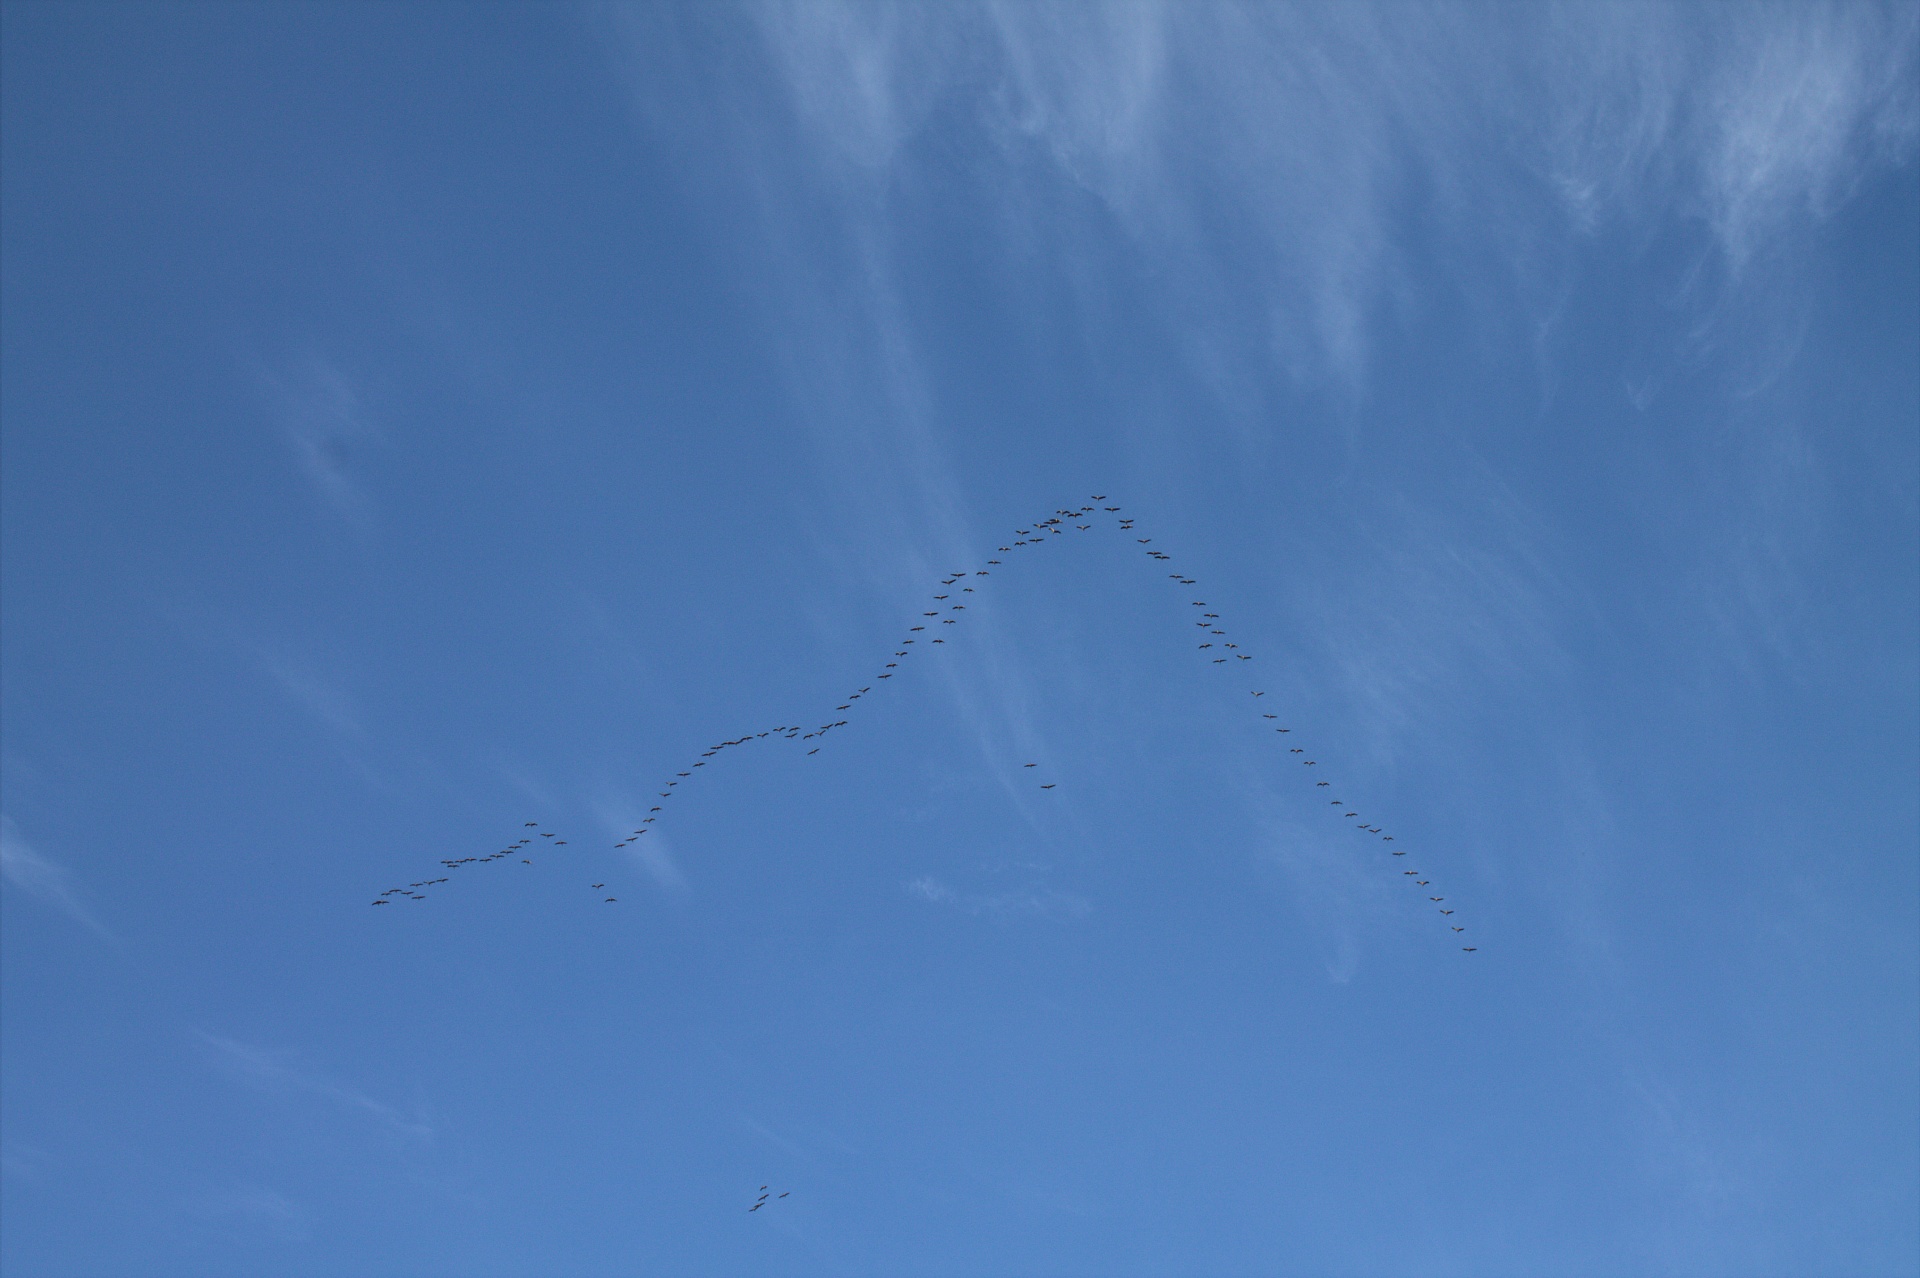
(422, 419)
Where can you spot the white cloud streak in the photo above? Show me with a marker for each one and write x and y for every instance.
(25, 869)
(267, 1070)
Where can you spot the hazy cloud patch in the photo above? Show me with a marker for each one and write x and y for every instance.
(1037, 900)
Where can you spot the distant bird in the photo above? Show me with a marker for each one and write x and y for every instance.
(1446, 911)
(599, 885)
(1029, 765)
(533, 823)
(1469, 948)
(1436, 898)
(612, 899)
(1459, 929)
(1048, 787)
(1422, 883)
(815, 750)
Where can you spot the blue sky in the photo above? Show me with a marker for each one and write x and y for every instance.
(420, 420)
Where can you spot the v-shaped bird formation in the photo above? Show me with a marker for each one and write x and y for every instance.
(1216, 647)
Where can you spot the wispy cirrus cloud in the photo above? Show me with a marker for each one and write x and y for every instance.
(311, 690)
(256, 1209)
(1276, 156)
(307, 682)
(1289, 182)
(619, 817)
(26, 869)
(270, 1070)
(323, 417)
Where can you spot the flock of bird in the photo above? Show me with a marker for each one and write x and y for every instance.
(1215, 643)
(762, 1200)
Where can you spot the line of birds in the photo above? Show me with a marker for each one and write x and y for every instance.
(1215, 638)
(763, 1199)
